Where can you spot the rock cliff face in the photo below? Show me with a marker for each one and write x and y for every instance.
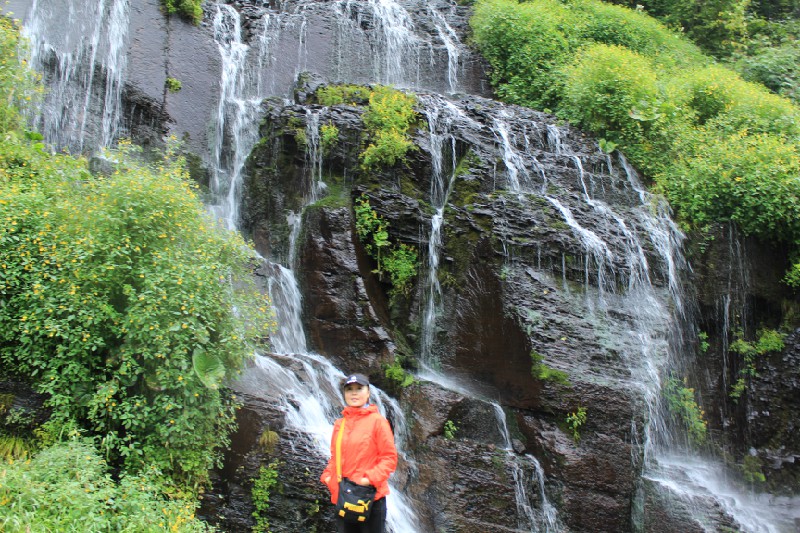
(520, 291)
(549, 282)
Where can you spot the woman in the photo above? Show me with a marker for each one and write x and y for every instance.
(368, 454)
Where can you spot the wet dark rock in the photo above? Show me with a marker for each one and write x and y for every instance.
(342, 322)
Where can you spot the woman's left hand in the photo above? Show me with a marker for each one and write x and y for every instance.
(364, 482)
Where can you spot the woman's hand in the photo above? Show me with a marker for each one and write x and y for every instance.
(364, 482)
(326, 479)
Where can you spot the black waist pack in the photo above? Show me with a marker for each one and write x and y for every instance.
(355, 501)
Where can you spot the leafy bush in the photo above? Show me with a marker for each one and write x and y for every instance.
(450, 430)
(768, 341)
(525, 44)
(602, 87)
(118, 294)
(776, 68)
(399, 261)
(749, 179)
(17, 84)
(575, 421)
(329, 136)
(331, 95)
(191, 9)
(397, 375)
(263, 487)
(683, 406)
(388, 119)
(67, 488)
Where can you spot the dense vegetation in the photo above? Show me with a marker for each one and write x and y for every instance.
(117, 298)
(191, 9)
(719, 147)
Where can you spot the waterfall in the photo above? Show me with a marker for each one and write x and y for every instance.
(439, 115)
(238, 110)
(395, 44)
(544, 520)
(310, 398)
(72, 44)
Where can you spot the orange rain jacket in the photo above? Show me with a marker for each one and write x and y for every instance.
(367, 450)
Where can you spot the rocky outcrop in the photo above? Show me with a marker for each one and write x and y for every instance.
(519, 289)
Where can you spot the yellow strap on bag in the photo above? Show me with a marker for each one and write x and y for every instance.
(339, 451)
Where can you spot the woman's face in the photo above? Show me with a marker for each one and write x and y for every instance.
(356, 395)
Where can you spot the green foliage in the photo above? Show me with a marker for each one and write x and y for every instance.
(331, 95)
(776, 68)
(268, 440)
(541, 371)
(388, 120)
(173, 85)
(450, 430)
(68, 488)
(17, 82)
(397, 375)
(768, 341)
(704, 344)
(399, 261)
(118, 295)
(751, 469)
(719, 147)
(575, 421)
(387, 148)
(329, 136)
(748, 179)
(401, 265)
(683, 406)
(191, 9)
(263, 486)
(603, 87)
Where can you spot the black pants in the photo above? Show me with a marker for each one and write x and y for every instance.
(375, 524)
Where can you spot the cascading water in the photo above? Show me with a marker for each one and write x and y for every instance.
(81, 111)
(545, 519)
(310, 398)
(398, 52)
(443, 117)
(238, 110)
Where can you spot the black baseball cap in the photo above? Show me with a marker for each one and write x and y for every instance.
(361, 379)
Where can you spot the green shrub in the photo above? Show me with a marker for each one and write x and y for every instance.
(525, 44)
(683, 407)
(118, 294)
(749, 179)
(17, 83)
(604, 86)
(397, 375)
(388, 119)
(450, 430)
(329, 136)
(768, 341)
(776, 68)
(173, 85)
(191, 9)
(575, 421)
(263, 487)
(399, 261)
(331, 95)
(68, 488)
(387, 149)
